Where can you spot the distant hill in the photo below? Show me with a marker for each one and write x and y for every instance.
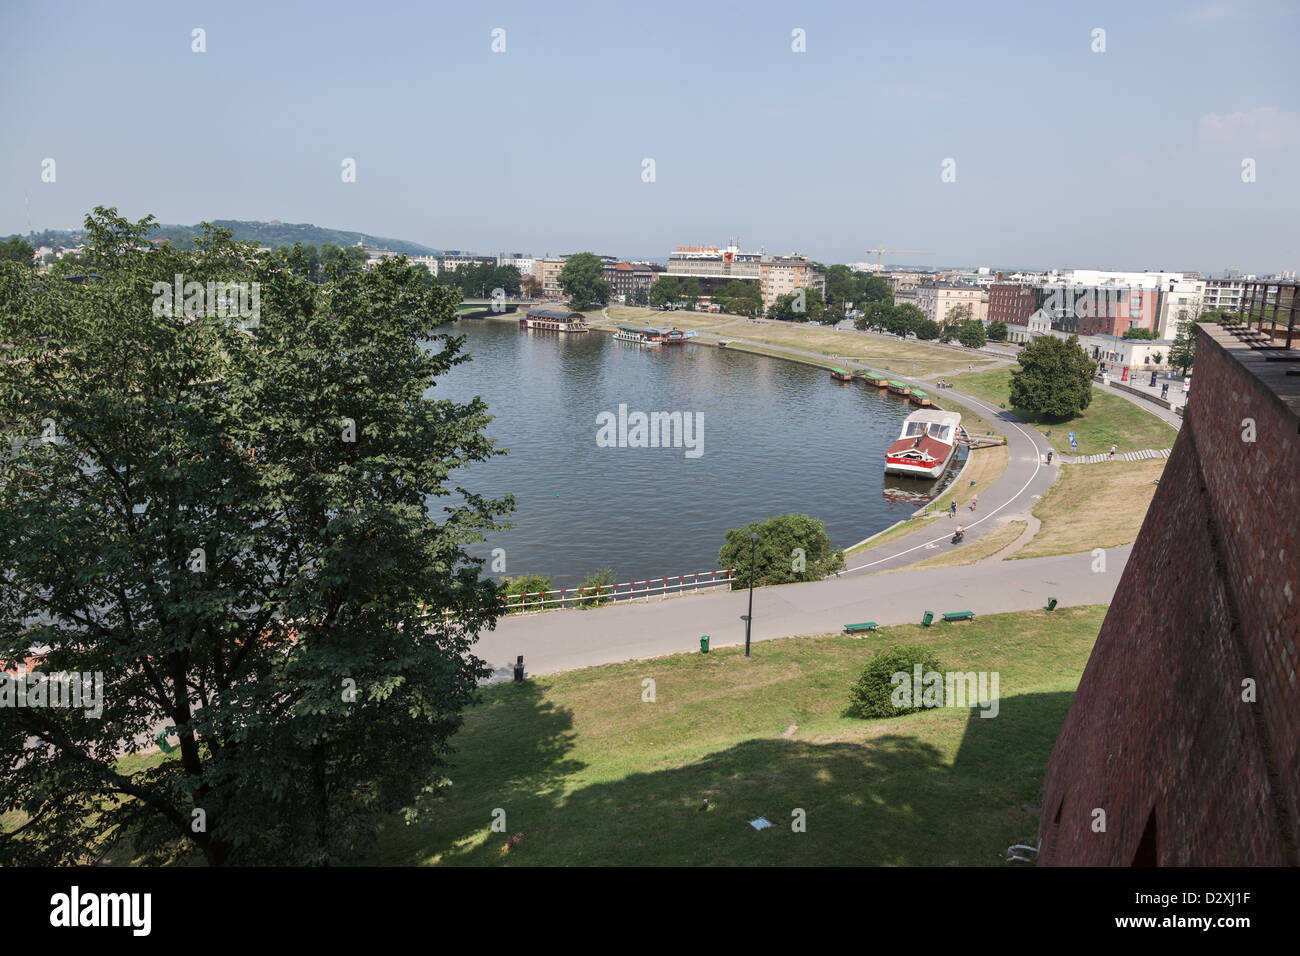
(270, 234)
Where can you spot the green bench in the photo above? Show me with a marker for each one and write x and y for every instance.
(864, 626)
(960, 616)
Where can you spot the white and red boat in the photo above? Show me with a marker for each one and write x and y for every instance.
(925, 446)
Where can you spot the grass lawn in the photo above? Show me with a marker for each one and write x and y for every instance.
(1108, 420)
(641, 316)
(970, 551)
(1099, 505)
(878, 352)
(592, 775)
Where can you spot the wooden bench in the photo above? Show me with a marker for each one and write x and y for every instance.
(864, 626)
(960, 616)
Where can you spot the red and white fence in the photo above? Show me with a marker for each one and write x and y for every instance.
(627, 591)
(608, 593)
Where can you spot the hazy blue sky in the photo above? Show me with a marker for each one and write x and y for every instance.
(1131, 158)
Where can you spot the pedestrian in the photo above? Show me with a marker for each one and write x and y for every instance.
(1112, 452)
(1049, 456)
(974, 501)
(952, 510)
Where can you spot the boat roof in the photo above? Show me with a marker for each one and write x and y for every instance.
(935, 415)
(553, 314)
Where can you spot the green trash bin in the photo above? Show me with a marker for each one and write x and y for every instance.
(1051, 604)
(929, 616)
(704, 644)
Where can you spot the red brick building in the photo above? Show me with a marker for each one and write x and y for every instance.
(1013, 303)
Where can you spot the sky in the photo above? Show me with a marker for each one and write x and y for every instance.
(1009, 135)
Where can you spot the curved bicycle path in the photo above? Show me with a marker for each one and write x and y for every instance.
(564, 640)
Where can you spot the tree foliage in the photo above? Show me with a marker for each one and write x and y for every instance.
(971, 334)
(792, 547)
(1183, 352)
(583, 280)
(1054, 379)
(1137, 332)
(996, 331)
(18, 250)
(801, 305)
(871, 694)
(233, 524)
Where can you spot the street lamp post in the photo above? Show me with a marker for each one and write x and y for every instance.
(749, 618)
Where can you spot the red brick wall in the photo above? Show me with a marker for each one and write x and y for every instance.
(1209, 598)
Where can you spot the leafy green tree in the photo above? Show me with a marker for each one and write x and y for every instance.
(971, 334)
(876, 316)
(665, 291)
(1182, 353)
(903, 320)
(927, 330)
(583, 279)
(1138, 333)
(234, 524)
(302, 261)
(740, 298)
(640, 296)
(792, 547)
(1054, 379)
(997, 332)
(691, 290)
(18, 250)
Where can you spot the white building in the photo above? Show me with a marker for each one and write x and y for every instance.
(521, 262)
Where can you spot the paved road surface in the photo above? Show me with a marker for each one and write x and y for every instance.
(562, 640)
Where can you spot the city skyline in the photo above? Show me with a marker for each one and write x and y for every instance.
(816, 130)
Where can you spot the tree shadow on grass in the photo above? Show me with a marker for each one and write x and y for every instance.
(889, 800)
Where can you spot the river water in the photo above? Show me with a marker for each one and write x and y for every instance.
(776, 437)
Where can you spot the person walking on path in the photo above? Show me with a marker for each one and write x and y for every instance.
(974, 501)
(1049, 456)
(953, 510)
(1112, 452)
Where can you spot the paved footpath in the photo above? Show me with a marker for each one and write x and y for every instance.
(562, 640)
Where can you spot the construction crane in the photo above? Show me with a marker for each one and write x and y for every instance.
(881, 252)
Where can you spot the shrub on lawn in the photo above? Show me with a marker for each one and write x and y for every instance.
(872, 693)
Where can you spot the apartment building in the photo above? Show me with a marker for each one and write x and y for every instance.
(626, 278)
(937, 299)
(547, 272)
(782, 275)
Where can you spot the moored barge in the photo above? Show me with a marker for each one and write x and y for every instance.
(553, 320)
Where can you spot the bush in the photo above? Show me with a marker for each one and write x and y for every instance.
(528, 584)
(870, 696)
(601, 585)
(776, 557)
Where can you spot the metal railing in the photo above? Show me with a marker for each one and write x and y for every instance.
(609, 593)
(1267, 302)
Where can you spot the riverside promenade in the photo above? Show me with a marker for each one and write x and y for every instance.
(563, 640)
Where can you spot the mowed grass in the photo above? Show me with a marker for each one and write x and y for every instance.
(591, 774)
(972, 551)
(1108, 419)
(1100, 505)
(886, 354)
(641, 317)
